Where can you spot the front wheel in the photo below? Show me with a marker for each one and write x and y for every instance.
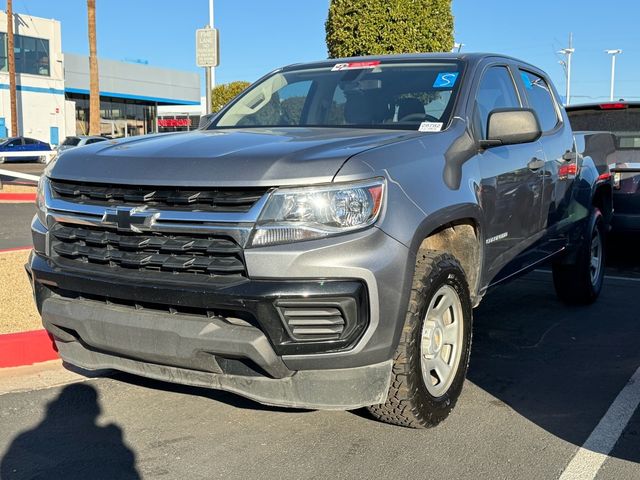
(580, 283)
(431, 361)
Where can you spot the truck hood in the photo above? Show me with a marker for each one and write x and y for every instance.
(236, 157)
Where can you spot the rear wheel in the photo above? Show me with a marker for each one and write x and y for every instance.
(580, 283)
(431, 361)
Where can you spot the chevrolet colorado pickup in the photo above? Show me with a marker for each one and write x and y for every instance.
(321, 242)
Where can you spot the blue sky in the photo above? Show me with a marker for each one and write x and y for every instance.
(259, 35)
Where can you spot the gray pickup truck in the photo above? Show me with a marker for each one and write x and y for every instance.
(322, 241)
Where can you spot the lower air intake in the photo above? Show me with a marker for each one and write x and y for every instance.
(314, 320)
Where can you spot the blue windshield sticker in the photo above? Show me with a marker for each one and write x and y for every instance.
(446, 80)
(526, 80)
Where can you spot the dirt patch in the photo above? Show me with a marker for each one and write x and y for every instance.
(17, 188)
(18, 312)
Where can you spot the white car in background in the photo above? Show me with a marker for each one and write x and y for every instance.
(80, 141)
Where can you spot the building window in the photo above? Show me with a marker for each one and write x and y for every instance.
(32, 55)
(118, 117)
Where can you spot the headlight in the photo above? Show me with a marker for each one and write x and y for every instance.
(40, 200)
(295, 214)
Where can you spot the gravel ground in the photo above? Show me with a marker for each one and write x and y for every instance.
(17, 310)
(17, 189)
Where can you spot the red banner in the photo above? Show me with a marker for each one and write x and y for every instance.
(174, 122)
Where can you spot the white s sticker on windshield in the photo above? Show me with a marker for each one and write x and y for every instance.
(430, 127)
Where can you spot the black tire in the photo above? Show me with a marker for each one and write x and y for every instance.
(575, 283)
(409, 403)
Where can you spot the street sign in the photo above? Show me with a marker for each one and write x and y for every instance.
(207, 47)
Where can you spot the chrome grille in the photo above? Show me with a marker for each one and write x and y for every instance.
(122, 238)
(203, 254)
(168, 198)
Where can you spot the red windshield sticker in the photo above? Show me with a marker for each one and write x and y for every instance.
(338, 67)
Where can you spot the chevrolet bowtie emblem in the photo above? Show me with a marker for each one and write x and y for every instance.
(128, 219)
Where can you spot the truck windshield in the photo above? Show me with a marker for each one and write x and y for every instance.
(624, 123)
(374, 94)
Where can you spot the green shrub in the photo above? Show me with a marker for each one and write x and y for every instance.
(376, 27)
(225, 92)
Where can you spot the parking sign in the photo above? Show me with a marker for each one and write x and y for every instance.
(207, 47)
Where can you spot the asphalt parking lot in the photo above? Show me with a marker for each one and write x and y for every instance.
(32, 168)
(542, 377)
(15, 221)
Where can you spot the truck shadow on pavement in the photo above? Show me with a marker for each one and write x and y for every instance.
(559, 366)
(70, 444)
(228, 398)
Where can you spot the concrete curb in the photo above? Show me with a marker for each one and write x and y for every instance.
(26, 348)
(43, 375)
(15, 249)
(17, 197)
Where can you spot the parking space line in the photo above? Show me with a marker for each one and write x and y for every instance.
(590, 457)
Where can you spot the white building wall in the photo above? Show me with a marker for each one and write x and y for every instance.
(70, 127)
(40, 99)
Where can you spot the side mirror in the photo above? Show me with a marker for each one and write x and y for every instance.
(511, 126)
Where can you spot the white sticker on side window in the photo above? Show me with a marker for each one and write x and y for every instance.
(430, 127)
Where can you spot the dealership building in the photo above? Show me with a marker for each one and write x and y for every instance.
(53, 87)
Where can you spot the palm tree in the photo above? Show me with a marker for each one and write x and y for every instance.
(94, 87)
(12, 71)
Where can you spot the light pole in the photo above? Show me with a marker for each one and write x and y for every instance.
(613, 54)
(210, 73)
(567, 52)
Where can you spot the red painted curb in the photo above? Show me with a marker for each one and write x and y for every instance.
(26, 348)
(17, 197)
(15, 249)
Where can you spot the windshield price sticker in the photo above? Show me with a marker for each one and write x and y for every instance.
(339, 67)
(430, 127)
(446, 80)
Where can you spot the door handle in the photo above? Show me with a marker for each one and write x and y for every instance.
(535, 164)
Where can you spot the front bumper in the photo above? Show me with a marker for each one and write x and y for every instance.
(179, 350)
(101, 321)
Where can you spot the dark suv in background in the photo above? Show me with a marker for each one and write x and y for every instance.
(623, 153)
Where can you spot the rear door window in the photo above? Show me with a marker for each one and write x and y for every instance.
(540, 99)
